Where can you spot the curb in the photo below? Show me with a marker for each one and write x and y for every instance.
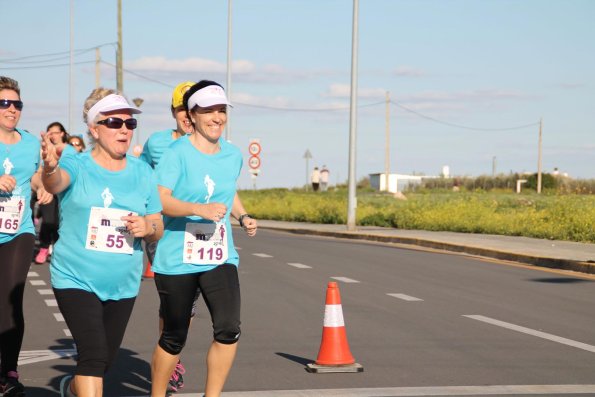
(552, 263)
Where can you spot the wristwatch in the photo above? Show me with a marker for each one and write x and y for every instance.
(241, 219)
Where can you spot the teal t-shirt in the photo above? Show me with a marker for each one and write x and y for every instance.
(155, 146)
(198, 178)
(20, 160)
(109, 275)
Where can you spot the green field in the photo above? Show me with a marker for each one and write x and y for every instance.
(551, 216)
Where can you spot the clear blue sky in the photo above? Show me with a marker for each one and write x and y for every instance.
(487, 65)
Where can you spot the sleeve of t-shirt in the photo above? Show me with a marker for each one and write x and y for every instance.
(154, 202)
(146, 154)
(71, 165)
(168, 169)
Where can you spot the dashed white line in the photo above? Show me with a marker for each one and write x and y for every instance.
(345, 279)
(51, 302)
(32, 274)
(406, 297)
(59, 317)
(260, 255)
(45, 291)
(37, 282)
(67, 332)
(300, 265)
(529, 331)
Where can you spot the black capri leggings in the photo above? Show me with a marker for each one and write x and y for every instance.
(220, 288)
(97, 327)
(15, 260)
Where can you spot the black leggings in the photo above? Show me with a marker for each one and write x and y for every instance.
(15, 260)
(50, 221)
(97, 327)
(221, 292)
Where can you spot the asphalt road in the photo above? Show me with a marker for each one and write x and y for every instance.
(421, 323)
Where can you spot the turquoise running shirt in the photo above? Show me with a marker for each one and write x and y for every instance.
(20, 160)
(91, 253)
(157, 143)
(192, 244)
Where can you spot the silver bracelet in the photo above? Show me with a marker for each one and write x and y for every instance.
(52, 172)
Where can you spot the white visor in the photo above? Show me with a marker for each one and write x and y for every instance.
(108, 104)
(208, 96)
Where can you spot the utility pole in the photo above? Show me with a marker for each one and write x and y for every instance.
(307, 156)
(352, 199)
(387, 143)
(97, 67)
(228, 88)
(494, 166)
(119, 79)
(539, 158)
(70, 71)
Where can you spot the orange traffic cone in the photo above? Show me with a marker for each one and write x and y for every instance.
(334, 354)
(148, 271)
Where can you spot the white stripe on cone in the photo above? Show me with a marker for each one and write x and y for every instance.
(333, 316)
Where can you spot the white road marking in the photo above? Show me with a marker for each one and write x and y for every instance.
(416, 391)
(45, 291)
(263, 255)
(238, 248)
(67, 332)
(51, 302)
(37, 282)
(59, 317)
(529, 331)
(300, 266)
(406, 297)
(32, 274)
(35, 356)
(345, 279)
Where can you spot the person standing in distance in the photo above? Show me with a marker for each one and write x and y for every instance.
(197, 179)
(324, 177)
(19, 156)
(153, 149)
(109, 202)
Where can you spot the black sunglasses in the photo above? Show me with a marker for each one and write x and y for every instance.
(116, 122)
(5, 104)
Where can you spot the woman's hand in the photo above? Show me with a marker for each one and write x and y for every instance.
(49, 153)
(250, 226)
(213, 211)
(7, 183)
(138, 226)
(43, 197)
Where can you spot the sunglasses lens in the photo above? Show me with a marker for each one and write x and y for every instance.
(116, 122)
(5, 104)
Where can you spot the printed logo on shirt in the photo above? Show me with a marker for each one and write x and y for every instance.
(210, 185)
(8, 166)
(107, 197)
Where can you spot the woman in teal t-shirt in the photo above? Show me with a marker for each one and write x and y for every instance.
(109, 202)
(197, 179)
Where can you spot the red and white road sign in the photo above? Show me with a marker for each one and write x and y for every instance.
(254, 162)
(254, 148)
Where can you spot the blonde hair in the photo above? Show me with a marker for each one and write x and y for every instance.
(95, 96)
(6, 83)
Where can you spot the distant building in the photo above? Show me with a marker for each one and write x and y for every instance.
(396, 182)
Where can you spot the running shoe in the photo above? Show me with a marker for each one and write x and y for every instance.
(10, 385)
(42, 256)
(65, 385)
(176, 382)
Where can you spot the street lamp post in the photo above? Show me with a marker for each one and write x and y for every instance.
(352, 199)
(307, 156)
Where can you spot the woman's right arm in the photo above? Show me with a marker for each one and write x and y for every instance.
(53, 178)
(176, 208)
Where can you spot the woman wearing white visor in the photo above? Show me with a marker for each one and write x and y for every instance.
(197, 179)
(109, 202)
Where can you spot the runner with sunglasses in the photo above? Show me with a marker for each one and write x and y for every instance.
(109, 202)
(153, 149)
(19, 156)
(197, 179)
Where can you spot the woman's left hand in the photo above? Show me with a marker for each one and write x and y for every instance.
(43, 197)
(137, 225)
(250, 226)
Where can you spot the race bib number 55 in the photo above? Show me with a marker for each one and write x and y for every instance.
(107, 232)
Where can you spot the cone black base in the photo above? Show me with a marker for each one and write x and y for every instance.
(327, 369)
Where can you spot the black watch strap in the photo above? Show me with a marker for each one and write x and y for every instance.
(241, 219)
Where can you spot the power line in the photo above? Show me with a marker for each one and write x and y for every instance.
(45, 66)
(140, 75)
(463, 126)
(306, 109)
(80, 51)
